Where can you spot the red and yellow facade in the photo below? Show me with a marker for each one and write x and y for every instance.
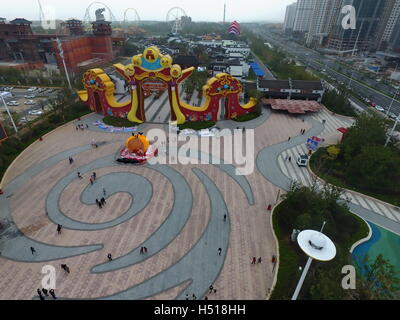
(152, 70)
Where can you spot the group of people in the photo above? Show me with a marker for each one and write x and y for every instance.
(101, 202)
(46, 293)
(143, 250)
(80, 126)
(255, 260)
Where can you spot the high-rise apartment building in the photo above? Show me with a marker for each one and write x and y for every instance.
(388, 25)
(304, 11)
(322, 20)
(369, 14)
(290, 17)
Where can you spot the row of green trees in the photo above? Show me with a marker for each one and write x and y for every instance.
(277, 60)
(305, 208)
(338, 103)
(18, 77)
(362, 162)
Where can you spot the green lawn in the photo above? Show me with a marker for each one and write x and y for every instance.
(197, 125)
(118, 122)
(247, 117)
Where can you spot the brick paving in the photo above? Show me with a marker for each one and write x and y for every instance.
(250, 230)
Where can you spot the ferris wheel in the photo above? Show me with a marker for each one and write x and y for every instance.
(129, 19)
(90, 12)
(174, 17)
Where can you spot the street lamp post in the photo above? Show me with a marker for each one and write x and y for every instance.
(2, 94)
(395, 94)
(317, 246)
(61, 52)
(392, 131)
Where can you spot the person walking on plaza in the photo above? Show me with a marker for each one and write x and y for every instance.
(219, 251)
(52, 293)
(224, 217)
(254, 260)
(79, 175)
(91, 180)
(144, 249)
(94, 176)
(104, 192)
(259, 260)
(59, 227)
(290, 159)
(109, 257)
(40, 294)
(289, 139)
(33, 250)
(99, 204)
(103, 201)
(211, 288)
(45, 292)
(65, 268)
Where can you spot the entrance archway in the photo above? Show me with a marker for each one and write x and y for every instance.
(155, 96)
(97, 103)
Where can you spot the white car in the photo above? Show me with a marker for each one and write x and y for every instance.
(379, 108)
(12, 103)
(392, 115)
(35, 112)
(30, 102)
(23, 119)
(29, 96)
(31, 89)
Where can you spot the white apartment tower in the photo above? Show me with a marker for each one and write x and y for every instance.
(304, 12)
(392, 21)
(323, 18)
(290, 17)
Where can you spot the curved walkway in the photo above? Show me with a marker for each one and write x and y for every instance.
(273, 163)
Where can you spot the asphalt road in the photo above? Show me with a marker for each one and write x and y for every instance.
(318, 62)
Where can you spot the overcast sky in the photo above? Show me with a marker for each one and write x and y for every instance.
(205, 10)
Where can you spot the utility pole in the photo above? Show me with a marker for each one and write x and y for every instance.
(8, 111)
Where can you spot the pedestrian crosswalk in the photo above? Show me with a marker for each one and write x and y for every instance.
(332, 123)
(288, 165)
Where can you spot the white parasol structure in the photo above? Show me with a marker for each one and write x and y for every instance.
(317, 246)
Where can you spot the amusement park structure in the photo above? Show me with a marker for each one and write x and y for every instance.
(97, 7)
(176, 15)
(136, 18)
(153, 71)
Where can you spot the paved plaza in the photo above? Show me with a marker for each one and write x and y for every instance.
(175, 211)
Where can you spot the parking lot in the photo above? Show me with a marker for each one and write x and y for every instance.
(28, 103)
